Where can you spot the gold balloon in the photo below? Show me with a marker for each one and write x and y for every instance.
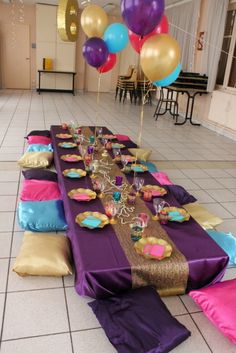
(94, 21)
(159, 56)
(67, 20)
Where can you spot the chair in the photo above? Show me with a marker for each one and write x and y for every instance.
(144, 87)
(128, 86)
(171, 104)
(123, 77)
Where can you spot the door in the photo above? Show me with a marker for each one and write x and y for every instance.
(16, 56)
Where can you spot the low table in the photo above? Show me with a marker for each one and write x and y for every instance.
(71, 73)
(105, 260)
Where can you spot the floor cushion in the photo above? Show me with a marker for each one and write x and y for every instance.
(140, 153)
(151, 166)
(46, 254)
(139, 322)
(42, 216)
(44, 140)
(218, 302)
(39, 133)
(122, 137)
(40, 190)
(202, 216)
(227, 242)
(36, 160)
(39, 148)
(181, 195)
(162, 178)
(39, 174)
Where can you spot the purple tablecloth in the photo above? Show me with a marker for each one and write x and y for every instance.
(101, 266)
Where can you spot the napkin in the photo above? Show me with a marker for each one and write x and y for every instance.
(73, 175)
(154, 250)
(91, 221)
(71, 159)
(67, 145)
(137, 169)
(81, 197)
(176, 216)
(115, 145)
(156, 193)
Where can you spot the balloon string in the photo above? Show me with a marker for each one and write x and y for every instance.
(204, 41)
(98, 103)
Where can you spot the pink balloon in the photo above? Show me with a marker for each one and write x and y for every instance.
(137, 41)
(109, 64)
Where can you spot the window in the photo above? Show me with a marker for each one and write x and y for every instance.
(227, 65)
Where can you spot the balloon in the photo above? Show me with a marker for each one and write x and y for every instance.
(142, 16)
(159, 56)
(94, 21)
(116, 37)
(137, 41)
(168, 80)
(95, 52)
(109, 64)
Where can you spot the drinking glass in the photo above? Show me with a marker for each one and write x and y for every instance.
(138, 183)
(100, 131)
(111, 209)
(158, 204)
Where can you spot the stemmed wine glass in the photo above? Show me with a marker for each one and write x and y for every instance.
(138, 183)
(158, 204)
(100, 131)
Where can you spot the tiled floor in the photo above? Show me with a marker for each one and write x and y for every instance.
(45, 315)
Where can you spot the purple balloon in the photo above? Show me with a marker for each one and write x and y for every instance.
(142, 16)
(95, 52)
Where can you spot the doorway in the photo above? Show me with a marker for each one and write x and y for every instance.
(16, 56)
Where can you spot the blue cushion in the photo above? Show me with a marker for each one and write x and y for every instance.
(39, 148)
(42, 216)
(227, 242)
(151, 167)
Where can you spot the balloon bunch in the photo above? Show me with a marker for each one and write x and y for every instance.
(104, 41)
(148, 27)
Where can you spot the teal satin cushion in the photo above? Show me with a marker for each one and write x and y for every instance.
(227, 242)
(42, 216)
(151, 166)
(37, 147)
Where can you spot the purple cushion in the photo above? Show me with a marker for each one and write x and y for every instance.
(181, 195)
(39, 174)
(45, 133)
(139, 322)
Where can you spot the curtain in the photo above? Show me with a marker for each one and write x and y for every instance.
(216, 16)
(183, 23)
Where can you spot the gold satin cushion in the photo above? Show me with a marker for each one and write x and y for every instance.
(202, 216)
(141, 153)
(44, 254)
(36, 159)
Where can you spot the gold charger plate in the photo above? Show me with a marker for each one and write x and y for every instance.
(182, 211)
(71, 158)
(129, 158)
(90, 193)
(80, 173)
(82, 216)
(139, 168)
(117, 145)
(67, 144)
(64, 136)
(156, 188)
(140, 245)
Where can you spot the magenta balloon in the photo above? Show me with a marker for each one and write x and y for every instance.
(95, 51)
(142, 16)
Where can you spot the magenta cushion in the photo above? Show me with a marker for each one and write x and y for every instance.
(43, 140)
(122, 137)
(218, 302)
(40, 190)
(162, 178)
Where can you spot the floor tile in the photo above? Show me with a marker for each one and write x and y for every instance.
(6, 221)
(230, 206)
(228, 225)
(92, 341)
(8, 188)
(186, 183)
(5, 243)
(195, 173)
(190, 304)
(69, 281)
(195, 343)
(208, 183)
(36, 313)
(9, 175)
(229, 274)
(216, 340)
(222, 195)
(44, 344)
(231, 172)
(80, 314)
(3, 274)
(227, 182)
(2, 299)
(218, 210)
(16, 243)
(174, 173)
(7, 203)
(202, 196)
(174, 305)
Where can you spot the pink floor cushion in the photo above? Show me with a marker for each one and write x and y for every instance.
(218, 302)
(40, 190)
(39, 133)
(162, 178)
(122, 137)
(42, 140)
